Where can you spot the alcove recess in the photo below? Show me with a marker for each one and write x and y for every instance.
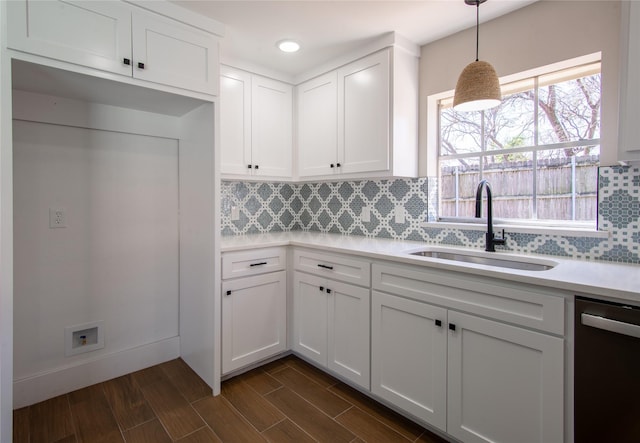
(134, 171)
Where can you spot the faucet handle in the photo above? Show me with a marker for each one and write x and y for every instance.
(500, 240)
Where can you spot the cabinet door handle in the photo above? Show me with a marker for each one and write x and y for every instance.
(257, 264)
(140, 65)
(328, 291)
(338, 165)
(126, 61)
(229, 292)
(255, 167)
(326, 267)
(321, 288)
(439, 323)
(452, 326)
(249, 166)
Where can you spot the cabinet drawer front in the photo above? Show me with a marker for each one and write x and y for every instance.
(349, 270)
(520, 305)
(254, 262)
(93, 34)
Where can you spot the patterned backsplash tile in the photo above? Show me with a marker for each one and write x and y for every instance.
(399, 206)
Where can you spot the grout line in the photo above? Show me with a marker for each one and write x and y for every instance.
(73, 419)
(204, 421)
(277, 423)
(343, 412)
(191, 433)
(155, 413)
(106, 399)
(239, 412)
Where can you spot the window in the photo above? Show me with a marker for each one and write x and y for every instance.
(539, 150)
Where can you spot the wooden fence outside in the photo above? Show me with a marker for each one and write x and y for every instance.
(564, 191)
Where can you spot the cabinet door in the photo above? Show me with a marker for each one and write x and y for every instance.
(174, 54)
(318, 126)
(254, 319)
(235, 121)
(310, 317)
(271, 127)
(409, 356)
(505, 383)
(364, 114)
(88, 33)
(629, 91)
(348, 332)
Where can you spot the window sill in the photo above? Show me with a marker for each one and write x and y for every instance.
(520, 229)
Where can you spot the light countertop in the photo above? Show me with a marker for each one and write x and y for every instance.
(620, 282)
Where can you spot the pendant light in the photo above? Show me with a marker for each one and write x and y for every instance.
(478, 86)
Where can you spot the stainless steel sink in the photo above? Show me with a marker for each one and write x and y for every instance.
(479, 258)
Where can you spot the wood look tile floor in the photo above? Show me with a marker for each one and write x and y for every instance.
(284, 401)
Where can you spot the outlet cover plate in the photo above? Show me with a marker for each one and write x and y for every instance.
(94, 332)
(57, 218)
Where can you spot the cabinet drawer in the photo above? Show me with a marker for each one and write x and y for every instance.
(253, 262)
(519, 304)
(337, 267)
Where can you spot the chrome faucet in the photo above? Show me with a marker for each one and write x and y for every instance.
(490, 237)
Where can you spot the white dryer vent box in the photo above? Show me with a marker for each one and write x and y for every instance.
(83, 338)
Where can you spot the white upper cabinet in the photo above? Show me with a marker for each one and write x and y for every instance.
(271, 127)
(364, 114)
(256, 125)
(93, 34)
(174, 54)
(629, 129)
(318, 125)
(118, 38)
(235, 121)
(361, 119)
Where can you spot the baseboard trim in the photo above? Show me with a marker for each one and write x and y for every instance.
(40, 387)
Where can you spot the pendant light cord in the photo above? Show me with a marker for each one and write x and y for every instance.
(477, 28)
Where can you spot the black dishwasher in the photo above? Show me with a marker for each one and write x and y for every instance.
(607, 372)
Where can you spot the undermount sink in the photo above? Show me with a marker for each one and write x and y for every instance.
(483, 258)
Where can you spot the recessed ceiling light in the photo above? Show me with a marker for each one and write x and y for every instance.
(288, 46)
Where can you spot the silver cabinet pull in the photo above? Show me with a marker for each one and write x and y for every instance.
(607, 324)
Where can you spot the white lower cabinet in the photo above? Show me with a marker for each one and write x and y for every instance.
(331, 325)
(409, 356)
(477, 379)
(254, 308)
(505, 384)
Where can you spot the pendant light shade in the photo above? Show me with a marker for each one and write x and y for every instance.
(478, 86)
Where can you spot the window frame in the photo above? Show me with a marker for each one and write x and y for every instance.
(434, 145)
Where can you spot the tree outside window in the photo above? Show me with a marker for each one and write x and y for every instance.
(539, 150)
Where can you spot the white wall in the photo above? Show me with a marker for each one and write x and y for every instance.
(116, 261)
(541, 34)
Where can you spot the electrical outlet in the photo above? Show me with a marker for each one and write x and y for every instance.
(399, 216)
(57, 218)
(365, 215)
(235, 213)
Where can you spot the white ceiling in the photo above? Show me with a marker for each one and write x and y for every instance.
(328, 29)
